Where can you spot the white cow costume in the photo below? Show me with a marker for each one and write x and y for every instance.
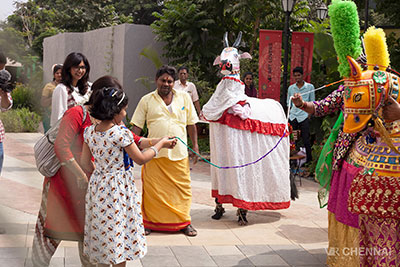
(242, 129)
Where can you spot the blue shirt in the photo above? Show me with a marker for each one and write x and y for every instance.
(296, 113)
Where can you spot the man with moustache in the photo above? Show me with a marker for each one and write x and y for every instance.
(167, 196)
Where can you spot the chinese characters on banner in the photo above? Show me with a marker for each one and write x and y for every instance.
(269, 67)
(302, 53)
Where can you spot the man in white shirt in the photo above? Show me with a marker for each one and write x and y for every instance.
(184, 85)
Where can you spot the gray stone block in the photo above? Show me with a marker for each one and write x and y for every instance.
(267, 260)
(192, 256)
(232, 260)
(13, 253)
(155, 261)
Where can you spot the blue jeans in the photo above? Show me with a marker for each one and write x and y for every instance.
(1, 156)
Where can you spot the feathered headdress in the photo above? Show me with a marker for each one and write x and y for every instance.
(345, 32)
(376, 48)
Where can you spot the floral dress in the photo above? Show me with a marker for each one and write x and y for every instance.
(114, 230)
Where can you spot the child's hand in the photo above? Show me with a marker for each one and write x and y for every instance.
(82, 182)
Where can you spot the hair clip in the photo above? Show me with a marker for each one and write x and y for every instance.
(112, 90)
(122, 99)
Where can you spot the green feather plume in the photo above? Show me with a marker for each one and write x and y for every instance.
(345, 32)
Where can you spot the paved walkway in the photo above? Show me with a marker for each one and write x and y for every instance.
(293, 237)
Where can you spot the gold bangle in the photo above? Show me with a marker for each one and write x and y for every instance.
(150, 143)
(302, 105)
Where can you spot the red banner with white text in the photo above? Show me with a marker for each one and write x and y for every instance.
(269, 69)
(302, 54)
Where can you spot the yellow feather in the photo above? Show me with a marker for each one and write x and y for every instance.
(376, 48)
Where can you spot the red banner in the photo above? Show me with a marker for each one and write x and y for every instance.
(270, 64)
(302, 54)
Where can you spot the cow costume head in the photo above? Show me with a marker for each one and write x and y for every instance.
(229, 58)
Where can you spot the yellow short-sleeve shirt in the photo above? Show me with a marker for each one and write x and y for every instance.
(48, 91)
(161, 122)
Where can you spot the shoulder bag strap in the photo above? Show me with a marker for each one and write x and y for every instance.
(84, 113)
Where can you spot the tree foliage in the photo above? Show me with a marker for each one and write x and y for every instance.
(35, 20)
(193, 29)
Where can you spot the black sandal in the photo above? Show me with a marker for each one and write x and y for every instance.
(242, 220)
(219, 211)
(147, 231)
(189, 230)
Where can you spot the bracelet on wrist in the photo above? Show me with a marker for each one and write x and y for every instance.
(155, 150)
(150, 143)
(67, 162)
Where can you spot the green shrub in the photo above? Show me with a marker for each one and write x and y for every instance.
(22, 97)
(20, 120)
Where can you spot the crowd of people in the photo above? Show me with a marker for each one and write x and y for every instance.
(93, 199)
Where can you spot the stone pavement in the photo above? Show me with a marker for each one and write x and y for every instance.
(293, 237)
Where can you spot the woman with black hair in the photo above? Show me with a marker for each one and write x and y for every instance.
(74, 87)
(249, 89)
(61, 215)
(47, 94)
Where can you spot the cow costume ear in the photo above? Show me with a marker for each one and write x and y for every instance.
(355, 69)
(217, 60)
(245, 55)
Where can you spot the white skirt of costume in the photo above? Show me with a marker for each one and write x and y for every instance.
(260, 186)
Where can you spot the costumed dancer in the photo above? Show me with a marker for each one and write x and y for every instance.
(336, 169)
(343, 225)
(114, 231)
(243, 129)
(372, 105)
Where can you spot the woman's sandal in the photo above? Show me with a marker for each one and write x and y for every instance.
(147, 231)
(189, 230)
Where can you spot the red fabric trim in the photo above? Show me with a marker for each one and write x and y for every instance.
(249, 205)
(251, 125)
(167, 227)
(233, 79)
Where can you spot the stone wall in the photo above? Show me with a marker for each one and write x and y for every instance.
(110, 51)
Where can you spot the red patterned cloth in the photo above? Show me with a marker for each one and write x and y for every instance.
(71, 100)
(251, 125)
(375, 196)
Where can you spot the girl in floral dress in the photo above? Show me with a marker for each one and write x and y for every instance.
(114, 230)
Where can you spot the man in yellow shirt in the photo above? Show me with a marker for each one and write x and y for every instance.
(167, 195)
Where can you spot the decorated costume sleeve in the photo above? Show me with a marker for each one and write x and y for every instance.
(330, 104)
